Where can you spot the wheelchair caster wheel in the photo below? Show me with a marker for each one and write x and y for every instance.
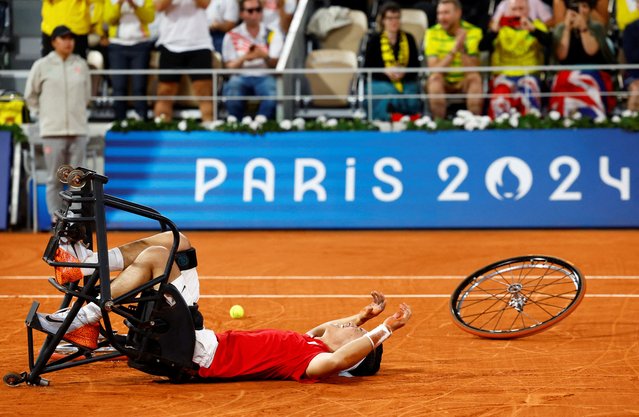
(76, 178)
(63, 173)
(13, 379)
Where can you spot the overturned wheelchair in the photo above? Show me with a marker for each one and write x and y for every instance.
(155, 313)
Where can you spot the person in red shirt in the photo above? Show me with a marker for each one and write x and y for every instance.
(334, 347)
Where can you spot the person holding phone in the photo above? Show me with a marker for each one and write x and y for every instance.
(537, 9)
(598, 10)
(251, 45)
(516, 40)
(580, 40)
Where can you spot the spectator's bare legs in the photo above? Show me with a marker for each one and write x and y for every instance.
(165, 107)
(436, 85)
(633, 99)
(473, 86)
(204, 88)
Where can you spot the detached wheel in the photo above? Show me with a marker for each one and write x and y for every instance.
(517, 297)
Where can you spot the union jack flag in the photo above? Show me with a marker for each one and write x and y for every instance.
(580, 91)
(520, 93)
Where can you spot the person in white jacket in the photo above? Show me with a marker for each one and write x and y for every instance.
(59, 90)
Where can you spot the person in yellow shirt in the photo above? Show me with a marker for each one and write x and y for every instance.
(129, 49)
(627, 11)
(453, 43)
(75, 14)
(515, 40)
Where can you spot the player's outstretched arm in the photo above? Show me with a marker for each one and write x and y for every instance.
(326, 364)
(373, 309)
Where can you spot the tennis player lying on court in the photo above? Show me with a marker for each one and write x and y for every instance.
(334, 347)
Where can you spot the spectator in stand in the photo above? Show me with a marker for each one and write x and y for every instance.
(631, 50)
(599, 11)
(392, 49)
(626, 12)
(278, 14)
(97, 38)
(251, 45)
(516, 40)
(427, 6)
(129, 49)
(537, 10)
(75, 14)
(59, 90)
(453, 43)
(222, 16)
(185, 44)
(580, 40)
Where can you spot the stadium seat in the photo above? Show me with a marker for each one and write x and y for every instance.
(340, 84)
(348, 38)
(415, 22)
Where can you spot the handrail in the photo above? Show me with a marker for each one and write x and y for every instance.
(270, 71)
(359, 97)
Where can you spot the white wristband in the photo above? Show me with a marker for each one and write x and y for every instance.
(380, 334)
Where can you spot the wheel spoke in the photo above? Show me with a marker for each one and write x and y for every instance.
(517, 297)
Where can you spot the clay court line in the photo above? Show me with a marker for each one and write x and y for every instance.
(309, 296)
(321, 277)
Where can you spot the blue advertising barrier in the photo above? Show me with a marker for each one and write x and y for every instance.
(6, 145)
(487, 179)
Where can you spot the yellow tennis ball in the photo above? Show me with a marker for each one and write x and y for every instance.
(236, 312)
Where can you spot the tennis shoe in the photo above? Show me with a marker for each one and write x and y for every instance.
(71, 252)
(81, 331)
(52, 322)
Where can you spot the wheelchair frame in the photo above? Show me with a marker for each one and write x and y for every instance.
(86, 209)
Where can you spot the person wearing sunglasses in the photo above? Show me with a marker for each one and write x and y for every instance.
(251, 46)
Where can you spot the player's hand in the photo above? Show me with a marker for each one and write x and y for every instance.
(400, 318)
(374, 308)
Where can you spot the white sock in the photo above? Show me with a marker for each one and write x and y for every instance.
(116, 261)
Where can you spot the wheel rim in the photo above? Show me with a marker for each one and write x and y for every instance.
(517, 297)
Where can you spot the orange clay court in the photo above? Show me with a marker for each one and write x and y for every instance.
(586, 365)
